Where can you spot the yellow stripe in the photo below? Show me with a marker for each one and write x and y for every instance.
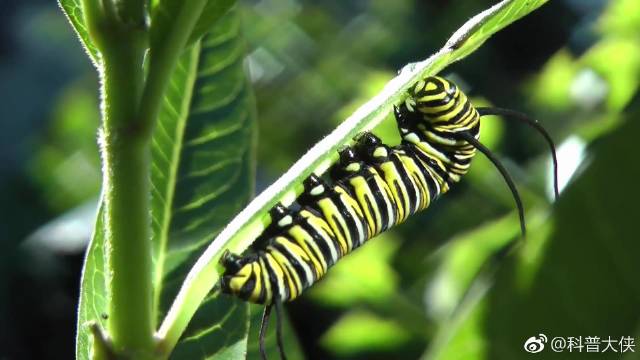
(279, 278)
(419, 180)
(329, 210)
(440, 158)
(429, 109)
(387, 197)
(391, 176)
(324, 231)
(363, 192)
(356, 214)
(257, 270)
(268, 291)
(285, 263)
(307, 243)
(392, 207)
(300, 255)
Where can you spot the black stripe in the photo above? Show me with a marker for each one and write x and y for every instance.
(248, 286)
(299, 268)
(351, 221)
(421, 155)
(309, 235)
(381, 199)
(276, 290)
(325, 251)
(372, 212)
(407, 180)
(432, 184)
(288, 280)
(459, 115)
(398, 188)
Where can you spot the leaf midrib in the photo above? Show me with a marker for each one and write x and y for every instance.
(172, 176)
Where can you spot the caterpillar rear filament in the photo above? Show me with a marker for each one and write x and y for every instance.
(372, 188)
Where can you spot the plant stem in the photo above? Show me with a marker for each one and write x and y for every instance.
(163, 56)
(131, 11)
(126, 156)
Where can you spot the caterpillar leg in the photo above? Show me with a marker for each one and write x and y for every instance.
(365, 142)
(263, 330)
(348, 164)
(278, 306)
(371, 149)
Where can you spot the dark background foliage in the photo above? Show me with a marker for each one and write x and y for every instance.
(572, 64)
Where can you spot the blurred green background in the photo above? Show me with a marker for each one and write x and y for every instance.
(573, 64)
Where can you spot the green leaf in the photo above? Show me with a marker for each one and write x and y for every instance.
(172, 22)
(73, 11)
(93, 290)
(202, 173)
(165, 18)
(365, 276)
(478, 29)
(212, 12)
(576, 275)
(218, 331)
(353, 334)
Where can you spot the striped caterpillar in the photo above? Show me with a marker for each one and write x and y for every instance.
(372, 188)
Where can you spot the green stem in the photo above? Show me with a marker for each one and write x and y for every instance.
(126, 156)
(131, 11)
(163, 56)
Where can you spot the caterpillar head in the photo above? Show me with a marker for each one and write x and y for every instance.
(438, 102)
(237, 279)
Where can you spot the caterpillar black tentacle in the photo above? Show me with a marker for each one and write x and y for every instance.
(372, 188)
(279, 342)
(263, 329)
(515, 115)
(505, 175)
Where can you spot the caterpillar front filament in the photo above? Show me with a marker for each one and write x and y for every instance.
(372, 188)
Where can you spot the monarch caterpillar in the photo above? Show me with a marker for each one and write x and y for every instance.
(372, 188)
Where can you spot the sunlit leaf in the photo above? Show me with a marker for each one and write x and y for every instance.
(73, 10)
(463, 258)
(617, 60)
(211, 13)
(166, 19)
(360, 331)
(365, 275)
(203, 173)
(551, 87)
(621, 17)
(218, 331)
(93, 290)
